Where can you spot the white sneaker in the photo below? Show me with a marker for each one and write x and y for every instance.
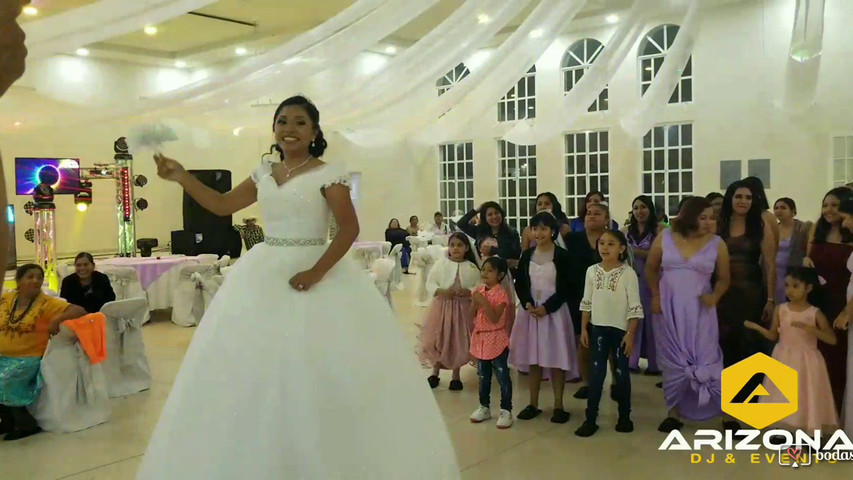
(481, 414)
(505, 419)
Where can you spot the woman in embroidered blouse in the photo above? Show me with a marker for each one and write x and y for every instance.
(27, 319)
(86, 287)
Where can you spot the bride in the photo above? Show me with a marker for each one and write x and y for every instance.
(298, 369)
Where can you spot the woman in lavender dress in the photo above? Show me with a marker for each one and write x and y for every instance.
(686, 330)
(642, 230)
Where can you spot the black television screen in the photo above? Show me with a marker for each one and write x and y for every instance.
(63, 174)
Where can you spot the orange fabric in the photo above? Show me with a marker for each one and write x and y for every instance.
(27, 337)
(91, 331)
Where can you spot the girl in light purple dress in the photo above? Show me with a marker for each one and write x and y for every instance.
(543, 336)
(686, 328)
(641, 233)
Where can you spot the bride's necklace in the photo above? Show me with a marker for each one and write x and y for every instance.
(289, 171)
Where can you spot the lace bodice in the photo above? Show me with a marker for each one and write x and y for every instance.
(297, 209)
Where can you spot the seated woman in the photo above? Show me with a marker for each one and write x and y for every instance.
(86, 287)
(397, 236)
(27, 319)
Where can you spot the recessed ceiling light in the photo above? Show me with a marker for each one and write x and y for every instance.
(180, 64)
(82, 52)
(612, 18)
(537, 33)
(390, 50)
(31, 11)
(483, 18)
(150, 30)
(237, 131)
(240, 51)
(17, 124)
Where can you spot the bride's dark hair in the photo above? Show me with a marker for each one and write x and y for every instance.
(318, 146)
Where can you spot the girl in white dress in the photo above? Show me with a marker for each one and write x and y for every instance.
(280, 379)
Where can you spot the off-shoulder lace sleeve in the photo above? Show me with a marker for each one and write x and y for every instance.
(337, 176)
(262, 170)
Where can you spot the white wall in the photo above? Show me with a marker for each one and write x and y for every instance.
(739, 63)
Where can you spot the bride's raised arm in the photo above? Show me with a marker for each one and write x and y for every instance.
(222, 204)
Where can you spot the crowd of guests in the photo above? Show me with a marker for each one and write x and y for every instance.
(726, 279)
(29, 316)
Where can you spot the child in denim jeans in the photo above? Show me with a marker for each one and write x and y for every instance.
(611, 310)
(490, 341)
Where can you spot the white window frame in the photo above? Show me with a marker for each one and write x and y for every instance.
(841, 160)
(517, 183)
(519, 103)
(574, 67)
(451, 78)
(653, 62)
(455, 177)
(592, 153)
(668, 197)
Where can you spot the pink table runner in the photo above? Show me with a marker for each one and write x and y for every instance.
(148, 268)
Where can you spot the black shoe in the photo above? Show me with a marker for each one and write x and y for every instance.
(659, 384)
(624, 425)
(653, 373)
(560, 416)
(6, 427)
(587, 429)
(456, 385)
(669, 424)
(19, 434)
(433, 381)
(582, 393)
(530, 412)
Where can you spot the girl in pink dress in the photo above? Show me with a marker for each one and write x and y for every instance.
(490, 341)
(446, 335)
(797, 326)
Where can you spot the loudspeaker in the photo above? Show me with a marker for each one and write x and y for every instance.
(196, 218)
(183, 243)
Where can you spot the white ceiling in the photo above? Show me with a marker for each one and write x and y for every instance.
(210, 35)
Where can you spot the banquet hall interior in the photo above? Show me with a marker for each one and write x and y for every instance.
(432, 107)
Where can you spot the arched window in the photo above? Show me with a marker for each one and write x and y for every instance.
(652, 51)
(576, 61)
(451, 78)
(520, 101)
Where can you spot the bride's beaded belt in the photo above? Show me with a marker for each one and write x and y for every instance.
(295, 242)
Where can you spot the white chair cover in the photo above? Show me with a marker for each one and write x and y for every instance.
(220, 264)
(382, 271)
(418, 242)
(125, 282)
(224, 271)
(425, 259)
(396, 257)
(441, 240)
(208, 258)
(386, 249)
(126, 367)
(197, 285)
(74, 396)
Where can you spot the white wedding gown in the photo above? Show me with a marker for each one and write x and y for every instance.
(316, 385)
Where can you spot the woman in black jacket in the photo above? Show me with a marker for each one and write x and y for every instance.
(493, 222)
(86, 287)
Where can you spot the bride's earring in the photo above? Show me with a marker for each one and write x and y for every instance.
(312, 144)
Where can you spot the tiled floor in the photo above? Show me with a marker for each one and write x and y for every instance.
(534, 449)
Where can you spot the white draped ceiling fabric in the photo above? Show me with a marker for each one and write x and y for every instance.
(803, 64)
(556, 119)
(648, 112)
(100, 21)
(468, 29)
(451, 112)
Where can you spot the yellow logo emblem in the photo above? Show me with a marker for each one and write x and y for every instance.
(746, 388)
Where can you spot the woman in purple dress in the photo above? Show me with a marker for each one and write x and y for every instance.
(686, 330)
(642, 230)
